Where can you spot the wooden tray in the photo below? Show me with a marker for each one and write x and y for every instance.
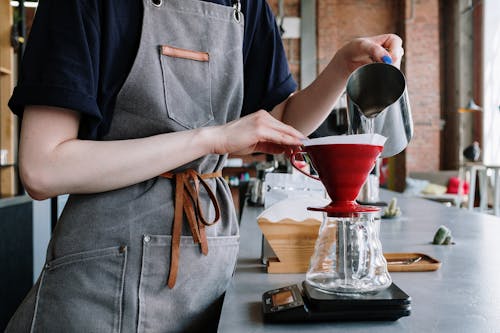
(426, 263)
(275, 266)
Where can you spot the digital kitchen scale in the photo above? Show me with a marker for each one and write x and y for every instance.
(291, 304)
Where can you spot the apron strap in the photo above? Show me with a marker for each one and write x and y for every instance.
(187, 189)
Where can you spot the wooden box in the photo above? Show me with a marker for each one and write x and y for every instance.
(292, 242)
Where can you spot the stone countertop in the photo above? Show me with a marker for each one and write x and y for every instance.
(462, 296)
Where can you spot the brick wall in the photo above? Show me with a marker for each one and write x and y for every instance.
(422, 68)
(417, 22)
(340, 21)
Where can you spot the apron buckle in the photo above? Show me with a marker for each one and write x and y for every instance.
(237, 10)
(157, 3)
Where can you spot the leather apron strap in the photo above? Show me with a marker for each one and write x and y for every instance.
(187, 189)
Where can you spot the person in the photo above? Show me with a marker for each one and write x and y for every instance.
(132, 107)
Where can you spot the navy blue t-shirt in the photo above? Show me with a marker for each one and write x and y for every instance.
(80, 52)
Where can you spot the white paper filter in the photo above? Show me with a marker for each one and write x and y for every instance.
(365, 139)
(294, 209)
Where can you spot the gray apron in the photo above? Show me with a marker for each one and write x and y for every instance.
(109, 259)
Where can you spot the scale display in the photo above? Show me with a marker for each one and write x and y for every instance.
(291, 304)
(283, 297)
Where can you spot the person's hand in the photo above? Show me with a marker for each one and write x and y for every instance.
(360, 51)
(257, 132)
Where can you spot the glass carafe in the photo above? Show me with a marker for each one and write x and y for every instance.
(348, 256)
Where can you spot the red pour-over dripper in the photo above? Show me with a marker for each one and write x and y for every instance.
(343, 169)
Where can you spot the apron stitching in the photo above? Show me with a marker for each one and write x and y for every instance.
(35, 310)
(142, 308)
(51, 267)
(139, 115)
(184, 245)
(120, 291)
(229, 17)
(228, 20)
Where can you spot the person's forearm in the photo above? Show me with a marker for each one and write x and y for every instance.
(308, 108)
(131, 161)
(81, 166)
(53, 161)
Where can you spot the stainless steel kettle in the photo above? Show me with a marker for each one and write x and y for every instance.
(377, 102)
(257, 189)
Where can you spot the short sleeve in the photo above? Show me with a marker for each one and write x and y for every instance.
(268, 80)
(61, 62)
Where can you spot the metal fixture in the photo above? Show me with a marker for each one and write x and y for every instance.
(470, 107)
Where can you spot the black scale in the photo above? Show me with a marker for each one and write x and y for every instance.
(291, 304)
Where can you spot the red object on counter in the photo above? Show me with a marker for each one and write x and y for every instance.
(453, 184)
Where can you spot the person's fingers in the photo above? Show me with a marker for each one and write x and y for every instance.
(270, 148)
(269, 129)
(385, 48)
(394, 44)
(268, 120)
(273, 148)
(397, 55)
(279, 138)
(376, 52)
(259, 129)
(388, 41)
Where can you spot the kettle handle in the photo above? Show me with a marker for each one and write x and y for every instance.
(293, 161)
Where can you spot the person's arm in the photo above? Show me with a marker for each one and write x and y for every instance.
(54, 161)
(308, 108)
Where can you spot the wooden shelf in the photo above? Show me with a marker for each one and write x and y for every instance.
(5, 71)
(8, 123)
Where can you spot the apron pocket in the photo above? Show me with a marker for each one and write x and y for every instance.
(82, 292)
(201, 281)
(187, 86)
